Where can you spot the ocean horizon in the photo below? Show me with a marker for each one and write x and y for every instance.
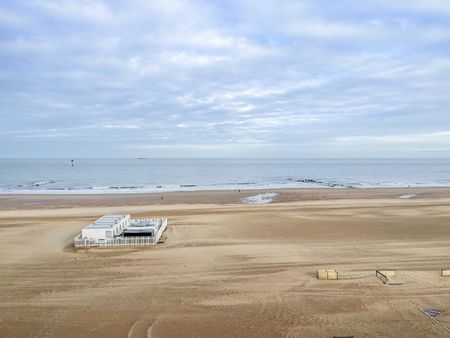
(136, 175)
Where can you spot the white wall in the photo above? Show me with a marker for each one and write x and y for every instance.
(100, 233)
(161, 230)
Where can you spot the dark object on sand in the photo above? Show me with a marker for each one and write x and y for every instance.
(434, 315)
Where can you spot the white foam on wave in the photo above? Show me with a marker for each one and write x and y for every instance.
(261, 198)
(408, 196)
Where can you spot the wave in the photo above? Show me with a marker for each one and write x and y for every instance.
(36, 184)
(321, 183)
(237, 183)
(122, 187)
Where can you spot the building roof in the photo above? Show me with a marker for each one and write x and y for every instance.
(143, 225)
(106, 222)
(146, 223)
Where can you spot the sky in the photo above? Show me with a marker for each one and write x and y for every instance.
(247, 78)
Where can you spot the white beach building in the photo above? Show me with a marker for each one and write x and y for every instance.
(106, 227)
(121, 230)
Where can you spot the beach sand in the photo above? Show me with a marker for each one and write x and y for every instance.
(229, 269)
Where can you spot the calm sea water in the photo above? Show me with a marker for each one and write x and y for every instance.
(150, 175)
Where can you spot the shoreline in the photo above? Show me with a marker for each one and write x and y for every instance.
(199, 188)
(33, 201)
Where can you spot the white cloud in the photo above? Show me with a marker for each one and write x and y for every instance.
(207, 39)
(185, 59)
(323, 29)
(418, 138)
(9, 18)
(120, 126)
(433, 5)
(90, 10)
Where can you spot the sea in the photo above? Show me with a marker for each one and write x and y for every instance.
(133, 175)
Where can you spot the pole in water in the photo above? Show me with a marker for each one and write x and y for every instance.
(71, 162)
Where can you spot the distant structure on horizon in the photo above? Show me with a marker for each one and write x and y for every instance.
(121, 230)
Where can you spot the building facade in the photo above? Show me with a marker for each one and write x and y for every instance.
(106, 227)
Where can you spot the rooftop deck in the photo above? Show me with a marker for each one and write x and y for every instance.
(106, 222)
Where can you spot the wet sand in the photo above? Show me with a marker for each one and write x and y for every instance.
(228, 269)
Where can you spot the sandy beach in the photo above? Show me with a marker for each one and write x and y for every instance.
(229, 269)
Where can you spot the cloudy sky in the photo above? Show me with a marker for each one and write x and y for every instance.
(244, 78)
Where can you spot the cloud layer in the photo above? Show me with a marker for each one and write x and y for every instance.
(225, 79)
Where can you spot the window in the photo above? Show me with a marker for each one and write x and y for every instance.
(108, 233)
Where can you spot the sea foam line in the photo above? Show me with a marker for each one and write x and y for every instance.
(261, 198)
(408, 196)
